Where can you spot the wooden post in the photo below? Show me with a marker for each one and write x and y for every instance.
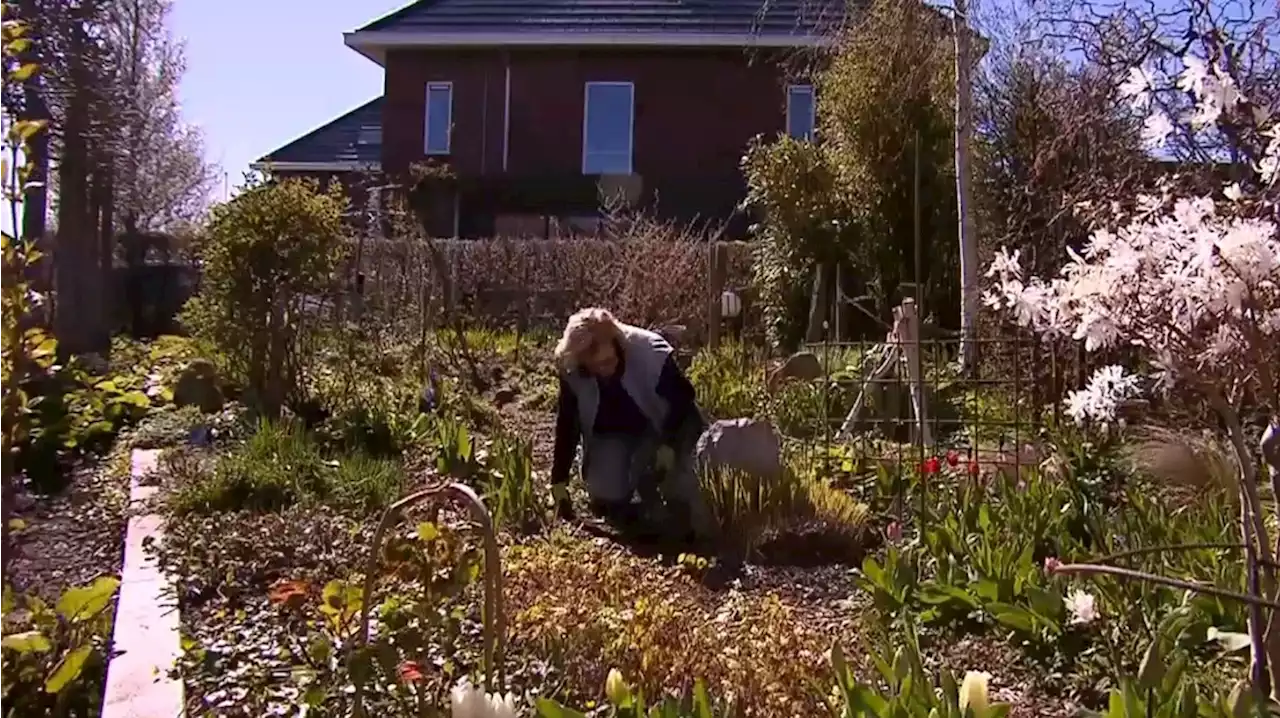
(716, 286)
(908, 330)
(453, 251)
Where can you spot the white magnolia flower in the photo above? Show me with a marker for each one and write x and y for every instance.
(1101, 398)
(974, 693)
(1193, 75)
(1156, 130)
(1137, 87)
(1082, 607)
(1233, 192)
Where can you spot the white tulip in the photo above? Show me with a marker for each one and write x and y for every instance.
(502, 705)
(973, 693)
(467, 701)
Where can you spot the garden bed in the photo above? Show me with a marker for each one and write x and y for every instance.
(70, 538)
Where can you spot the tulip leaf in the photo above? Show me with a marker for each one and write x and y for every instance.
(68, 669)
(548, 708)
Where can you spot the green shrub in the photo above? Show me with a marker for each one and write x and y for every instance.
(74, 413)
(267, 255)
(729, 380)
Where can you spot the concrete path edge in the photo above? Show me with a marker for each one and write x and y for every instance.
(146, 639)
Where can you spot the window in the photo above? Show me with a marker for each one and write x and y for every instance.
(439, 118)
(607, 124)
(800, 107)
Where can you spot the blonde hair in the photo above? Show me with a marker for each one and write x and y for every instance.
(585, 328)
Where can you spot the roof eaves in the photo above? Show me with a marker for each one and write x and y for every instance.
(315, 136)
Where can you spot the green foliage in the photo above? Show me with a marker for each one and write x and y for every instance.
(54, 658)
(267, 256)
(627, 702)
(1163, 688)
(422, 616)
(510, 490)
(806, 219)
(281, 465)
(72, 412)
(501, 468)
(907, 690)
(982, 538)
(370, 404)
(850, 198)
(729, 381)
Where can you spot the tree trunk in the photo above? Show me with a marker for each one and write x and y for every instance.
(964, 193)
(103, 213)
(77, 269)
(77, 256)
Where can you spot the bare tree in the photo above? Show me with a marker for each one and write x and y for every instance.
(1145, 40)
(161, 174)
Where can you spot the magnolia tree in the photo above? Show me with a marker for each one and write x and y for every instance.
(1192, 285)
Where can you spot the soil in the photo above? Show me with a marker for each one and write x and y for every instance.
(70, 538)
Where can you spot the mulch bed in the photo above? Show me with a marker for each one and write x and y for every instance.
(227, 563)
(69, 538)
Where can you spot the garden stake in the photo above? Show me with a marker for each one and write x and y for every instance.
(494, 621)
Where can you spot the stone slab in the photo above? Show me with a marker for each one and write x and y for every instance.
(146, 639)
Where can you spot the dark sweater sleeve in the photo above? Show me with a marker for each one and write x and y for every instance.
(681, 398)
(567, 435)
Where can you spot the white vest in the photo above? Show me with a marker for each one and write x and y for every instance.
(645, 353)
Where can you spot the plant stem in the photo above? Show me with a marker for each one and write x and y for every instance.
(1219, 546)
(1091, 568)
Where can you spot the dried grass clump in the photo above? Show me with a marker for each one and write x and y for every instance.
(749, 509)
(590, 607)
(1182, 459)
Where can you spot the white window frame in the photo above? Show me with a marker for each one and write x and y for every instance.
(631, 124)
(813, 110)
(426, 126)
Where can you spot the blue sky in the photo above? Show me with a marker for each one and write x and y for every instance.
(262, 72)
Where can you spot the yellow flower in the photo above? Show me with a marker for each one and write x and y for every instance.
(615, 687)
(973, 693)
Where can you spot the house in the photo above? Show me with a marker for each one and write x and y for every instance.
(533, 104)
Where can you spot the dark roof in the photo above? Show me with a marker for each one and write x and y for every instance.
(353, 137)
(699, 17)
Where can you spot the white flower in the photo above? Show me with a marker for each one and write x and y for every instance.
(1082, 607)
(974, 693)
(468, 701)
(1233, 192)
(502, 705)
(1102, 396)
(1193, 75)
(1156, 130)
(1137, 87)
(615, 687)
